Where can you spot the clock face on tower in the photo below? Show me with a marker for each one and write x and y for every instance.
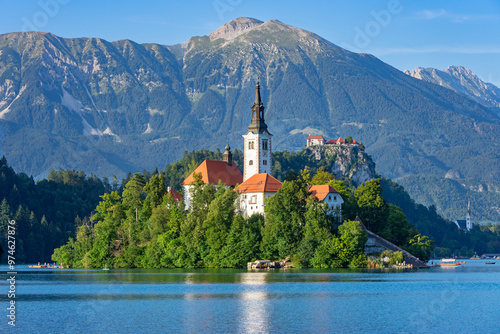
(265, 154)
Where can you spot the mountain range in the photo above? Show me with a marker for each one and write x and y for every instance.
(461, 80)
(110, 108)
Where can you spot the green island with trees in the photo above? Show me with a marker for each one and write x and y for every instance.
(145, 227)
(134, 224)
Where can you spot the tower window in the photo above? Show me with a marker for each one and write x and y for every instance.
(264, 162)
(250, 163)
(264, 144)
(251, 145)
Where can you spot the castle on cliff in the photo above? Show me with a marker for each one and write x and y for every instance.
(314, 140)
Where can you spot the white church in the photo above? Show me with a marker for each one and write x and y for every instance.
(257, 183)
(466, 224)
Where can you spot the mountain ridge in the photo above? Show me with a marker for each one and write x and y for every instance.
(147, 103)
(461, 80)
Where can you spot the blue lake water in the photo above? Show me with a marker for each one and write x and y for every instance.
(463, 299)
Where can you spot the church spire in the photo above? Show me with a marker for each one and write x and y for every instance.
(258, 101)
(258, 124)
(227, 156)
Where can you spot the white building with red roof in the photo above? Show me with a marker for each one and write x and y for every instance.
(254, 191)
(330, 196)
(313, 140)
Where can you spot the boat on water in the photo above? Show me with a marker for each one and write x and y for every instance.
(105, 267)
(489, 262)
(448, 263)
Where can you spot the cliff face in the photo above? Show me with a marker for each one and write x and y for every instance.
(347, 161)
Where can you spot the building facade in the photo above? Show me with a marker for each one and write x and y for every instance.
(254, 191)
(330, 196)
(313, 140)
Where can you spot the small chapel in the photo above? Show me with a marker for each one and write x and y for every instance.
(257, 183)
(465, 225)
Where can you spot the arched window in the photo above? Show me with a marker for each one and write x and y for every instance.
(250, 162)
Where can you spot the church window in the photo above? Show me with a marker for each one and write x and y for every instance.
(330, 198)
(264, 162)
(253, 199)
(250, 163)
(334, 198)
(264, 144)
(251, 145)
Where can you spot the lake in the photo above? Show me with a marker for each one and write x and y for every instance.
(462, 299)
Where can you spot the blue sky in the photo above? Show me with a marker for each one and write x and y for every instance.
(403, 33)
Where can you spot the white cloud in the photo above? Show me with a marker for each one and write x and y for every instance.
(454, 17)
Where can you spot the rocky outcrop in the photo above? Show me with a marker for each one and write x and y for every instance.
(347, 161)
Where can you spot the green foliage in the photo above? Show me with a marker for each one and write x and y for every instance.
(48, 212)
(285, 213)
(371, 205)
(322, 177)
(421, 247)
(343, 250)
(394, 257)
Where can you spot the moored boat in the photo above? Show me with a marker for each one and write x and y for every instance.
(448, 263)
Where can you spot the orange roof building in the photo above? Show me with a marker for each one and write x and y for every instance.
(322, 191)
(213, 170)
(259, 183)
(329, 195)
(315, 140)
(254, 191)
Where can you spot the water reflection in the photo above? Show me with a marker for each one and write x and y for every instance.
(253, 278)
(254, 303)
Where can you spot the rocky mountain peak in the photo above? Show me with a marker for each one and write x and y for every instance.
(461, 80)
(234, 28)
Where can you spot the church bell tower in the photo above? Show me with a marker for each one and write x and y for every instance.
(468, 222)
(257, 141)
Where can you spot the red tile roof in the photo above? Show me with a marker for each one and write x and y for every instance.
(177, 197)
(332, 141)
(340, 140)
(354, 141)
(213, 170)
(259, 183)
(322, 191)
(316, 137)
